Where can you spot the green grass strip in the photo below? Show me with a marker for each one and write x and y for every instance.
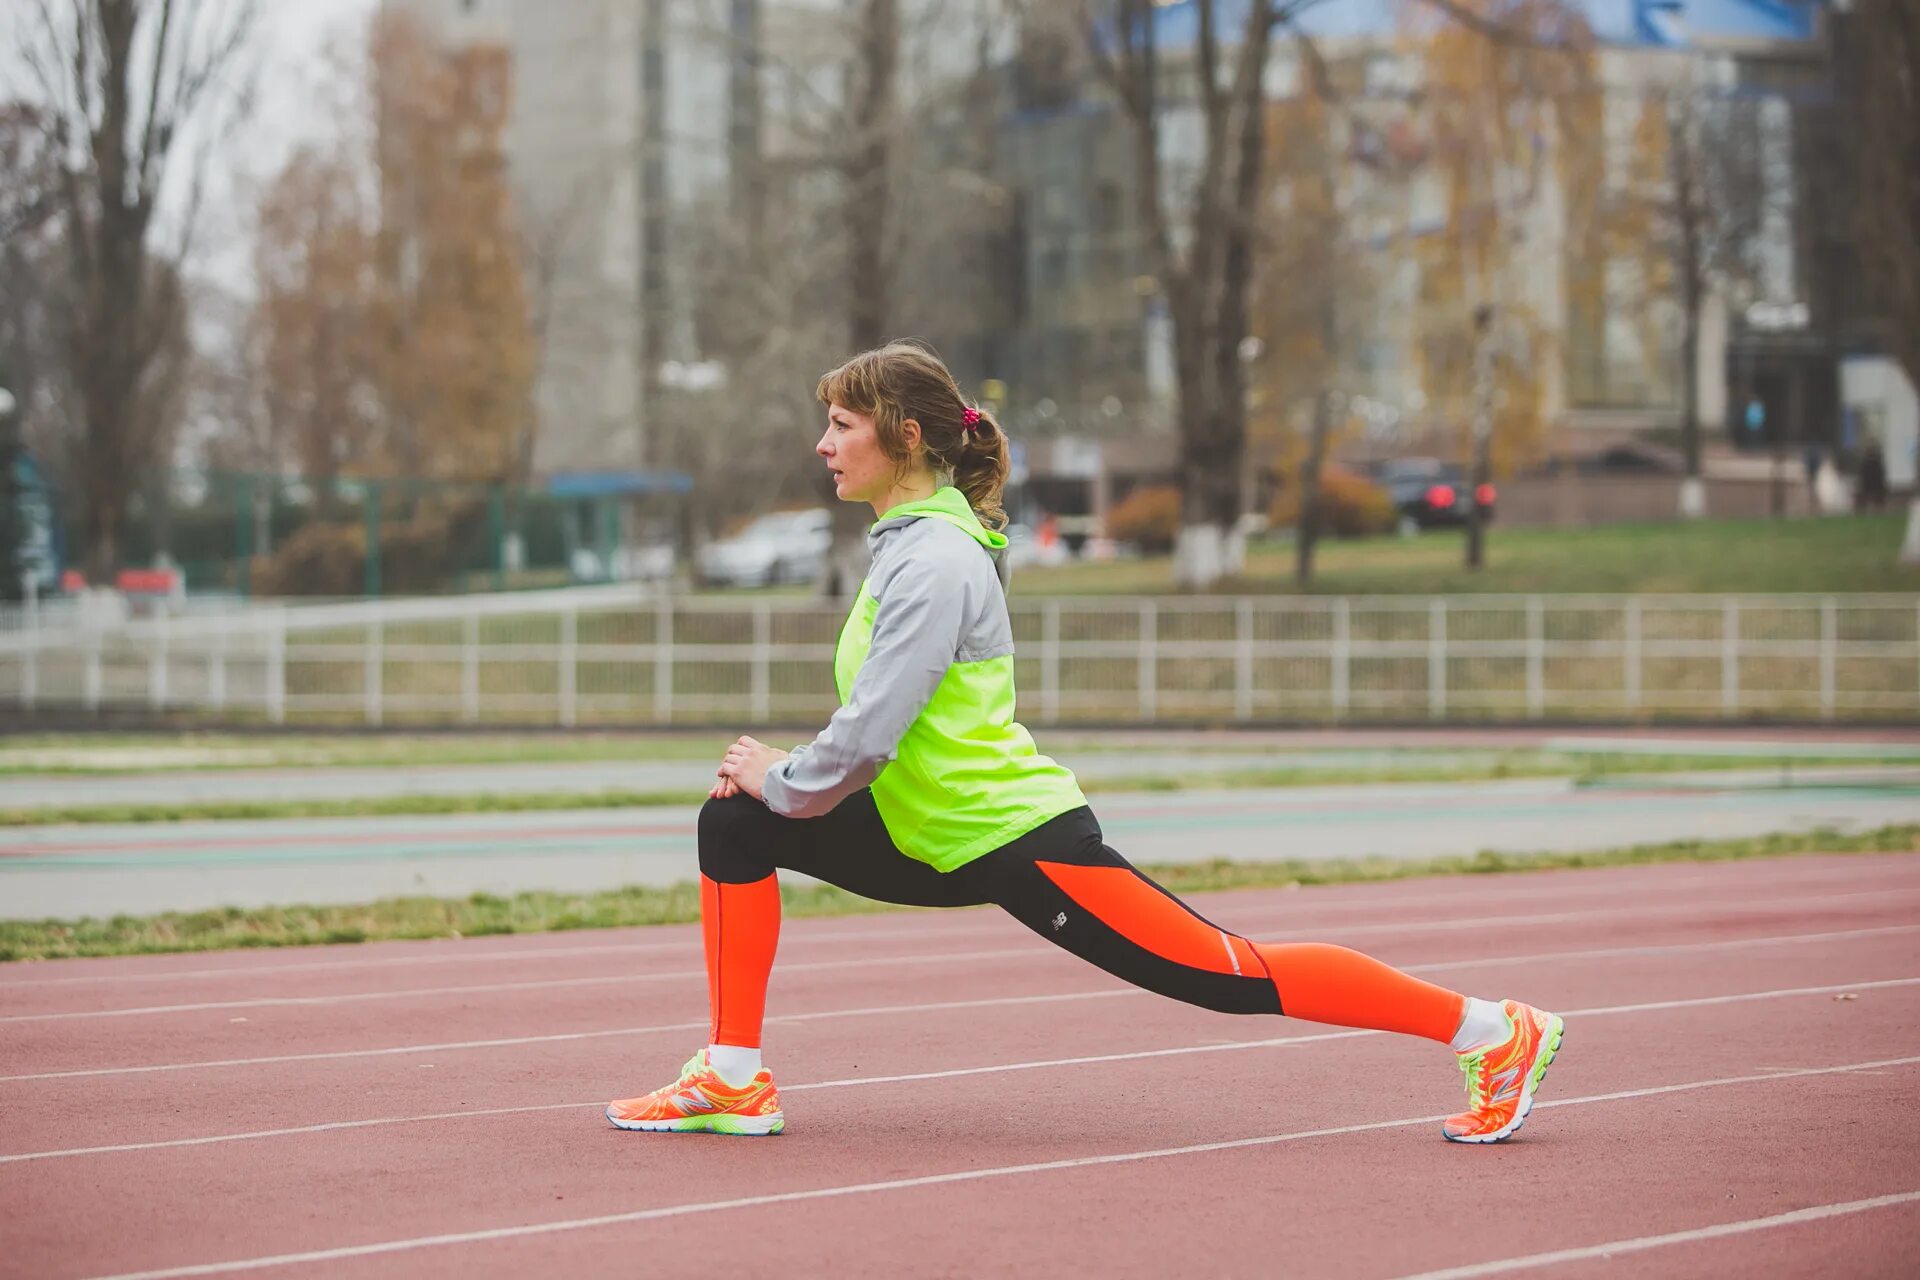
(1584, 770)
(368, 807)
(543, 912)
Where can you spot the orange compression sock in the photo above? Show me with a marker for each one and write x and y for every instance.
(741, 925)
(1324, 983)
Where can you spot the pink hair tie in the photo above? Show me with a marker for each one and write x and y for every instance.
(971, 419)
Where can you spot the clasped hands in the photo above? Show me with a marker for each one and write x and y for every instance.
(745, 769)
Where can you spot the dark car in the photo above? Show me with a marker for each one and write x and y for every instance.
(1432, 494)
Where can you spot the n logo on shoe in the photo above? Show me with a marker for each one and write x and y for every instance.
(1506, 1084)
(693, 1100)
(1059, 921)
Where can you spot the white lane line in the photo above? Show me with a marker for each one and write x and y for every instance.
(508, 1041)
(1424, 967)
(1289, 1041)
(1279, 1042)
(353, 997)
(931, 1180)
(1636, 1244)
(523, 954)
(1329, 932)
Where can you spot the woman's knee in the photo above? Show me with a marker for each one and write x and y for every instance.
(736, 840)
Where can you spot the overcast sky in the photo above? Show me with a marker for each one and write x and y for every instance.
(291, 38)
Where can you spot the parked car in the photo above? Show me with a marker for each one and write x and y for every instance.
(1024, 548)
(784, 547)
(1432, 494)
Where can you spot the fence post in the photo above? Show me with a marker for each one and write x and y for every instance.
(1342, 657)
(277, 667)
(217, 672)
(90, 689)
(470, 666)
(1243, 659)
(1829, 642)
(157, 665)
(1536, 657)
(1437, 657)
(569, 663)
(663, 659)
(1050, 660)
(1730, 656)
(1149, 666)
(1632, 655)
(30, 674)
(762, 656)
(374, 679)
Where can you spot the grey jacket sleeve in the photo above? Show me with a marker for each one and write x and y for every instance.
(916, 633)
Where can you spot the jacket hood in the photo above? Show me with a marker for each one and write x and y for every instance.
(948, 504)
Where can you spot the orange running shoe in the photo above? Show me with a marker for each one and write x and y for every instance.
(700, 1101)
(1502, 1078)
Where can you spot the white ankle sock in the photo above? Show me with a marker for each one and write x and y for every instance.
(737, 1066)
(1485, 1023)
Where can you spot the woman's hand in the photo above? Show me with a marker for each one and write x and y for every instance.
(745, 769)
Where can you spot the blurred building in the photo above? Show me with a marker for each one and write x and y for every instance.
(632, 121)
(597, 151)
(1085, 348)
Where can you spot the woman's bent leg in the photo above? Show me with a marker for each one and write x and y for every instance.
(742, 846)
(739, 915)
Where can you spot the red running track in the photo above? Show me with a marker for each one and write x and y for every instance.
(1737, 1096)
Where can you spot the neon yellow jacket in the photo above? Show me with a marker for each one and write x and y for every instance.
(924, 669)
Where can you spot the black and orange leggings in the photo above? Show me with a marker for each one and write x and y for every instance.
(1063, 882)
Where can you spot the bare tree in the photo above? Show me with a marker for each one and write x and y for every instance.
(32, 276)
(1886, 42)
(1882, 57)
(1203, 266)
(1695, 204)
(1199, 226)
(120, 82)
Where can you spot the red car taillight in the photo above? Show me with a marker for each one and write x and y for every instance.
(1440, 496)
(1484, 495)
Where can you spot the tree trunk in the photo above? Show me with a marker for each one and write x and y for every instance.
(1308, 532)
(1480, 474)
(1693, 492)
(869, 177)
(1910, 544)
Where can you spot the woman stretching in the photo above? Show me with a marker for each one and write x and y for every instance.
(924, 790)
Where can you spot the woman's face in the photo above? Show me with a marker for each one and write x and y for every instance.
(861, 472)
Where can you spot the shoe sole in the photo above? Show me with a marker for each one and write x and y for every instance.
(733, 1125)
(1549, 1050)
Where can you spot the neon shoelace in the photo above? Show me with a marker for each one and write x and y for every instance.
(1470, 1064)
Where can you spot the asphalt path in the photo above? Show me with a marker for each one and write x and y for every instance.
(1095, 757)
(266, 786)
(72, 871)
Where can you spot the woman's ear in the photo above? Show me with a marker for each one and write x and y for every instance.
(910, 435)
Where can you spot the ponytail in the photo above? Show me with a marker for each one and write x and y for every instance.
(980, 469)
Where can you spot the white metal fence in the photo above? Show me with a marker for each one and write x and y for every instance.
(610, 657)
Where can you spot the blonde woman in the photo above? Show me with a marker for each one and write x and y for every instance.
(923, 789)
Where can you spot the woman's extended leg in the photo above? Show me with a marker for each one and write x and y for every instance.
(743, 845)
(1064, 883)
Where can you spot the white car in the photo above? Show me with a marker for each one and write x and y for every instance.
(785, 547)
